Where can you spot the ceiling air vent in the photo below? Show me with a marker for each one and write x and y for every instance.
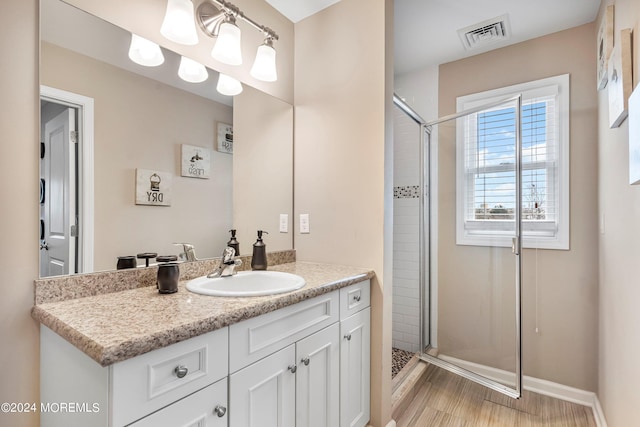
(485, 33)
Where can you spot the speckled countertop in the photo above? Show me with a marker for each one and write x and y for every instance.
(117, 326)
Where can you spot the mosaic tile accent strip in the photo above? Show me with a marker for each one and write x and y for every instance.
(62, 288)
(406, 192)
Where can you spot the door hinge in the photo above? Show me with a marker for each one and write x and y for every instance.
(74, 136)
(74, 230)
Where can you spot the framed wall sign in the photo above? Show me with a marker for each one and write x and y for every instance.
(620, 79)
(225, 138)
(153, 188)
(634, 137)
(196, 161)
(605, 46)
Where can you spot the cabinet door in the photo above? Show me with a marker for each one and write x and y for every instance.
(205, 408)
(264, 394)
(318, 379)
(354, 369)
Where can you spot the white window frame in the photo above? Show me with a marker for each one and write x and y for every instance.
(552, 234)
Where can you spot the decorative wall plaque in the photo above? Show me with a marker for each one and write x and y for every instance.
(196, 161)
(225, 138)
(620, 79)
(153, 188)
(605, 46)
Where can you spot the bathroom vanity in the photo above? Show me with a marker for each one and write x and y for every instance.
(295, 359)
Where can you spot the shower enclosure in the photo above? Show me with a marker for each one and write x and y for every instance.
(468, 210)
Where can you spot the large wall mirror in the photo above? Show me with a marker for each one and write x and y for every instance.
(130, 119)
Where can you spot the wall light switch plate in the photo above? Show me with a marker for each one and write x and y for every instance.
(284, 223)
(304, 223)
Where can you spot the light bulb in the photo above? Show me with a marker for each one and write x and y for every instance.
(145, 52)
(228, 85)
(179, 23)
(192, 71)
(228, 47)
(264, 66)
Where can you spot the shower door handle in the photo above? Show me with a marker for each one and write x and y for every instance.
(515, 245)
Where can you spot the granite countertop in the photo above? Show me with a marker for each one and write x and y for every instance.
(117, 326)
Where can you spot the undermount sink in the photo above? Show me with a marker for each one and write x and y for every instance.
(247, 284)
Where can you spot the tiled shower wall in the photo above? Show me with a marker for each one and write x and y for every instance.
(406, 205)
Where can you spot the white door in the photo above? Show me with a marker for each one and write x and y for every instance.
(58, 195)
(318, 379)
(354, 367)
(264, 394)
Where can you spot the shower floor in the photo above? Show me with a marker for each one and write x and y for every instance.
(399, 360)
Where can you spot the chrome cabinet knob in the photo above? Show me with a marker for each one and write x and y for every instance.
(293, 368)
(220, 410)
(181, 371)
(348, 337)
(305, 361)
(356, 298)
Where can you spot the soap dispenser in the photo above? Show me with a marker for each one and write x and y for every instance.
(259, 259)
(233, 242)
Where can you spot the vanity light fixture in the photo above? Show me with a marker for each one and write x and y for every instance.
(264, 67)
(145, 52)
(228, 47)
(178, 24)
(217, 18)
(228, 85)
(192, 71)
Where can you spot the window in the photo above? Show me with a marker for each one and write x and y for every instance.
(486, 150)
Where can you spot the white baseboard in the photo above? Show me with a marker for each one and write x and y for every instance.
(536, 385)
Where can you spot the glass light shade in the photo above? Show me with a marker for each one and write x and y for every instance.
(145, 52)
(192, 71)
(179, 24)
(228, 47)
(228, 85)
(264, 67)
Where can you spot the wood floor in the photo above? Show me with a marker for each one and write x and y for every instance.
(445, 399)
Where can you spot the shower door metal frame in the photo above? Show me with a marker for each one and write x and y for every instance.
(426, 272)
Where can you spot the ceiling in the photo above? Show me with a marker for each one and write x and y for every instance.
(426, 30)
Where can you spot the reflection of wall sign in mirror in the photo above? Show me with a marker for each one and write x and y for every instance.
(225, 138)
(42, 189)
(196, 161)
(604, 47)
(153, 188)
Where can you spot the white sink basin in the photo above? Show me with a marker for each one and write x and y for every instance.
(247, 284)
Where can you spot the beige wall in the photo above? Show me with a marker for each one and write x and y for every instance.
(560, 288)
(19, 174)
(263, 178)
(140, 123)
(127, 14)
(342, 178)
(619, 209)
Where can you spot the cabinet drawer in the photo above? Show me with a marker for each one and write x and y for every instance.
(206, 408)
(153, 380)
(354, 298)
(253, 339)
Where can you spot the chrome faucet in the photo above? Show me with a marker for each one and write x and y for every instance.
(188, 254)
(228, 264)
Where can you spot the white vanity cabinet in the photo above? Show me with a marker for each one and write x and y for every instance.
(128, 391)
(304, 365)
(355, 355)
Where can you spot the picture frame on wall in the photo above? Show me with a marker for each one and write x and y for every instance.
(634, 137)
(604, 46)
(153, 188)
(225, 138)
(620, 70)
(196, 162)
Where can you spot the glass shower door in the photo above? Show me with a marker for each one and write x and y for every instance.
(472, 235)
